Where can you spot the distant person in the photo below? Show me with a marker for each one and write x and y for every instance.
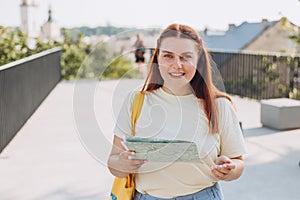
(181, 102)
(139, 53)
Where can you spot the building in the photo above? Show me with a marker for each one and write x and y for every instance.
(50, 31)
(29, 18)
(257, 59)
(267, 36)
(275, 38)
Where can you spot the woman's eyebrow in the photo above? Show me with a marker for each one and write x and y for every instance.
(187, 52)
(164, 51)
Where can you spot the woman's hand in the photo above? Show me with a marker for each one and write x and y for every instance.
(127, 164)
(120, 162)
(228, 169)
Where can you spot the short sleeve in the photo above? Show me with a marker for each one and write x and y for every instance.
(123, 123)
(232, 143)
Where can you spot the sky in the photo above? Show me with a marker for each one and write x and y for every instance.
(213, 14)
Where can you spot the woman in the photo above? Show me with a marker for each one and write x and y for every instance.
(181, 102)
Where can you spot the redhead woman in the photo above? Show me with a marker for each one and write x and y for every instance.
(181, 103)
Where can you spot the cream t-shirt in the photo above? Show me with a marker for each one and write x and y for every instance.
(166, 116)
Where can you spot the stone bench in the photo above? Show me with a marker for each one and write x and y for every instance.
(281, 113)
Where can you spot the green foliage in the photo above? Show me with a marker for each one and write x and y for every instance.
(268, 73)
(98, 60)
(104, 63)
(295, 36)
(120, 67)
(74, 51)
(294, 89)
(42, 46)
(257, 80)
(14, 45)
(77, 61)
(108, 30)
(71, 59)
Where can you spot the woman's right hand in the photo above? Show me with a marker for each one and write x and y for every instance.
(127, 164)
(120, 162)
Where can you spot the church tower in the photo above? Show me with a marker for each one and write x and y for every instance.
(50, 29)
(29, 18)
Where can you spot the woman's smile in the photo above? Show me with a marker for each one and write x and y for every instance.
(176, 74)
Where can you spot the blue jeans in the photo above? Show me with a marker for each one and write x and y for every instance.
(211, 193)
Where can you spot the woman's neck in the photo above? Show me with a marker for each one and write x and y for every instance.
(178, 91)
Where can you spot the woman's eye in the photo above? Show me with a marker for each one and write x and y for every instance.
(187, 57)
(168, 56)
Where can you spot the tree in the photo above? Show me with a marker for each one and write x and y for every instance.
(14, 45)
(77, 61)
(294, 63)
(296, 38)
(74, 51)
(120, 67)
(104, 63)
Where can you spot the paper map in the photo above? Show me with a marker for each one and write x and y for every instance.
(163, 150)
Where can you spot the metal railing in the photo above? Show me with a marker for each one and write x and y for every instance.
(259, 75)
(256, 75)
(24, 84)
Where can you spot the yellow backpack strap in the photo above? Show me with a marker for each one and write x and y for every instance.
(136, 109)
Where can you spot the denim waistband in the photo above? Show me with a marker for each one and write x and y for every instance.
(209, 193)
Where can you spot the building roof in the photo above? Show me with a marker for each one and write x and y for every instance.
(236, 37)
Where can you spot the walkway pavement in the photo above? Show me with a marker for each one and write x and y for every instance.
(52, 159)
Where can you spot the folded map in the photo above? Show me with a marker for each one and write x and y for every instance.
(158, 150)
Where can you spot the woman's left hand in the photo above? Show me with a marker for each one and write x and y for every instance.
(224, 168)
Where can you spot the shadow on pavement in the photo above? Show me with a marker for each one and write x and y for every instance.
(276, 180)
(259, 131)
(61, 194)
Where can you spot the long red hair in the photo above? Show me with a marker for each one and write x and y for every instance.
(201, 84)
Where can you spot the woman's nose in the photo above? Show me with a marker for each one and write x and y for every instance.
(177, 62)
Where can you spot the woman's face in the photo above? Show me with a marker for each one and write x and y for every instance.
(177, 60)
